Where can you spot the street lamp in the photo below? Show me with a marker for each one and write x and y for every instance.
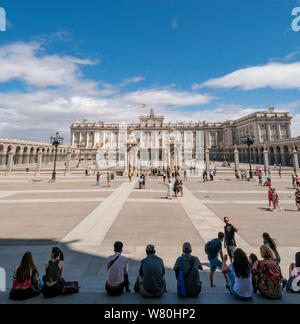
(249, 140)
(55, 141)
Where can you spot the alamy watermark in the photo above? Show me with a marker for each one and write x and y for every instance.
(296, 21)
(2, 20)
(2, 280)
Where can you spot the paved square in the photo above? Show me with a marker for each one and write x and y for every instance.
(86, 220)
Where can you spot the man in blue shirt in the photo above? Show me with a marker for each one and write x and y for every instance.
(213, 249)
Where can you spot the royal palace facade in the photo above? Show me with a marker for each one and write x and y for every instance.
(153, 143)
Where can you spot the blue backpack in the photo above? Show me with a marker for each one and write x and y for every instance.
(181, 291)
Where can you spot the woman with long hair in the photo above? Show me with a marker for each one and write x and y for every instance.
(53, 279)
(239, 275)
(26, 282)
(267, 274)
(272, 244)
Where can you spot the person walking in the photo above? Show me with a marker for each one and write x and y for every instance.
(297, 181)
(297, 198)
(260, 178)
(176, 188)
(270, 197)
(213, 249)
(117, 272)
(98, 178)
(108, 179)
(189, 265)
(269, 172)
(275, 199)
(185, 175)
(181, 188)
(293, 181)
(144, 181)
(170, 190)
(229, 241)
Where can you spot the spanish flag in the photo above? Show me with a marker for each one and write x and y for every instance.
(143, 106)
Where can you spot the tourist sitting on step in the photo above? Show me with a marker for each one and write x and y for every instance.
(267, 275)
(53, 279)
(293, 284)
(151, 279)
(189, 265)
(26, 283)
(239, 275)
(117, 272)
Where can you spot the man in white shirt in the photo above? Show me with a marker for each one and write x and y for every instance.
(117, 272)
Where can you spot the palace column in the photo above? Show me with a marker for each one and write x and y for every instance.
(39, 164)
(207, 158)
(236, 159)
(87, 139)
(278, 131)
(68, 163)
(268, 126)
(266, 160)
(295, 160)
(10, 163)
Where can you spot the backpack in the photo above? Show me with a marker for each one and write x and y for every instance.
(70, 288)
(293, 284)
(211, 248)
(180, 282)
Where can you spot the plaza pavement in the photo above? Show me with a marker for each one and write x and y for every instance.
(85, 221)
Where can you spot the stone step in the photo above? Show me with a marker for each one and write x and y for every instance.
(206, 297)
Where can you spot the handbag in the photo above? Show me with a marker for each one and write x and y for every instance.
(181, 291)
(70, 288)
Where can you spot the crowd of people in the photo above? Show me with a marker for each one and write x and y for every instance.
(244, 275)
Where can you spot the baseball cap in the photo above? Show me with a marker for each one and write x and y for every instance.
(150, 247)
(187, 247)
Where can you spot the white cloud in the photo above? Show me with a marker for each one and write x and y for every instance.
(273, 75)
(56, 94)
(22, 61)
(132, 80)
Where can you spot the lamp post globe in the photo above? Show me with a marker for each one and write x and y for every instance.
(55, 141)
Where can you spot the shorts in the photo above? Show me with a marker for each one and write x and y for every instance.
(230, 251)
(214, 264)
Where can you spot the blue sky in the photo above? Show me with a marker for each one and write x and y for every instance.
(213, 60)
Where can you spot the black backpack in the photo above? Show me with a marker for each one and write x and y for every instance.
(211, 248)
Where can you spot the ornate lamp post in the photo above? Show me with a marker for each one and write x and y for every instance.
(56, 141)
(249, 140)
